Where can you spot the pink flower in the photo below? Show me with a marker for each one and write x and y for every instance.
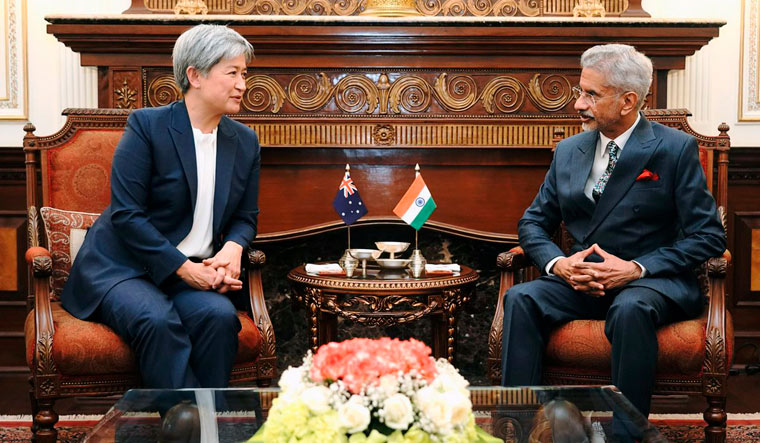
(360, 362)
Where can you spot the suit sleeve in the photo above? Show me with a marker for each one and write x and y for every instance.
(243, 223)
(542, 219)
(130, 189)
(702, 232)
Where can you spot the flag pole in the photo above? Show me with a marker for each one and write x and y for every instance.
(416, 231)
(417, 263)
(348, 171)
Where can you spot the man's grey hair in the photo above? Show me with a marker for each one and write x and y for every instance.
(623, 67)
(204, 46)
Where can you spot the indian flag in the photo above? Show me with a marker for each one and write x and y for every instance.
(416, 205)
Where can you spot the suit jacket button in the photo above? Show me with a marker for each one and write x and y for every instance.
(635, 209)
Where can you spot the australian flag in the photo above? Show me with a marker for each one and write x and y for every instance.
(347, 203)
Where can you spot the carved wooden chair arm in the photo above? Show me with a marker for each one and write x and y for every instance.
(716, 364)
(256, 260)
(41, 266)
(512, 260)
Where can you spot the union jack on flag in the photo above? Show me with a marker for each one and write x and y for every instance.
(347, 185)
(347, 202)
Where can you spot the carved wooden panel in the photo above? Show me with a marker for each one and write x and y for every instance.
(747, 259)
(126, 91)
(499, 8)
(12, 247)
(397, 92)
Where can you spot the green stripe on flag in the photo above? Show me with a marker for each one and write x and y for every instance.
(424, 214)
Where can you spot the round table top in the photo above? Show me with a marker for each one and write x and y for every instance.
(377, 279)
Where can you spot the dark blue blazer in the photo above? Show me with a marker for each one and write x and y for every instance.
(670, 225)
(153, 191)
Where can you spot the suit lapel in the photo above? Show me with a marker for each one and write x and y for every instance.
(633, 158)
(581, 162)
(226, 147)
(182, 136)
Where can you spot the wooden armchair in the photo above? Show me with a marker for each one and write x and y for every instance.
(67, 185)
(694, 356)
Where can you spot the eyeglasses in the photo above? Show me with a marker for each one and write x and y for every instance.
(579, 93)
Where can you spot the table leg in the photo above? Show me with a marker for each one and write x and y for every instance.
(439, 329)
(328, 326)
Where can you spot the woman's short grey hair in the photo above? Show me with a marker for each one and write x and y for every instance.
(623, 67)
(204, 46)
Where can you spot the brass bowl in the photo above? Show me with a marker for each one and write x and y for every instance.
(393, 263)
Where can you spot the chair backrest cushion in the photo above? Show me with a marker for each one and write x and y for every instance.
(77, 174)
(64, 232)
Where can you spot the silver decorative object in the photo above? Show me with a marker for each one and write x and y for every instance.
(417, 263)
(392, 247)
(363, 255)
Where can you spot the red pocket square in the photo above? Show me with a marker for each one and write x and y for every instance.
(647, 175)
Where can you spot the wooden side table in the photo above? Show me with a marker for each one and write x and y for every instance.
(381, 299)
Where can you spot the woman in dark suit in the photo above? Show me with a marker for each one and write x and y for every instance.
(184, 189)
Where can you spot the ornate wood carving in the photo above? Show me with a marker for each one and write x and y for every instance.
(388, 93)
(42, 266)
(498, 8)
(33, 227)
(45, 361)
(126, 86)
(124, 97)
(715, 352)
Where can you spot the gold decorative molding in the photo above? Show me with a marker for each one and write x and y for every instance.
(125, 97)
(390, 8)
(191, 7)
(394, 8)
(589, 8)
(384, 93)
(341, 133)
(162, 90)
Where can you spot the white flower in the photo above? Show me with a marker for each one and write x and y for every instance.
(398, 412)
(317, 398)
(460, 407)
(292, 379)
(353, 415)
(449, 379)
(388, 385)
(433, 406)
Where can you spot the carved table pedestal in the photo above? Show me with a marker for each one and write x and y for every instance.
(381, 299)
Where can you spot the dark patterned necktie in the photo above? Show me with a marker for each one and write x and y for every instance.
(602, 182)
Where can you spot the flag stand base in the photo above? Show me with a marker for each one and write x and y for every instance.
(417, 265)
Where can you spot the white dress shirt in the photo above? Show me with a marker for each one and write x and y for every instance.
(198, 242)
(601, 160)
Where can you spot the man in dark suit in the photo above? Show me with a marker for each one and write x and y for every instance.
(184, 203)
(633, 197)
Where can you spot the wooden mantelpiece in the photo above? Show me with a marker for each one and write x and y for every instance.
(474, 100)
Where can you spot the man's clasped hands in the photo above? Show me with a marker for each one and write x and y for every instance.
(594, 278)
(219, 273)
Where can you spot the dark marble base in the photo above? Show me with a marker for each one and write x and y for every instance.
(474, 321)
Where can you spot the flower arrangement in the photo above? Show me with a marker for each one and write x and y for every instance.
(372, 390)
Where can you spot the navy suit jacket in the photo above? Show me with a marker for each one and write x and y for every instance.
(154, 185)
(669, 225)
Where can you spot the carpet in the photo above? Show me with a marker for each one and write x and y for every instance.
(687, 428)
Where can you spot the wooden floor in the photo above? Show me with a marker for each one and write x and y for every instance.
(743, 397)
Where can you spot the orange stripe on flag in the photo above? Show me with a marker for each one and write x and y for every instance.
(408, 199)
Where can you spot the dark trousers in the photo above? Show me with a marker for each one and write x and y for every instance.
(533, 309)
(182, 337)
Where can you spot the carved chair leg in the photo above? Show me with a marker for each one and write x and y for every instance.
(715, 416)
(33, 403)
(44, 422)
